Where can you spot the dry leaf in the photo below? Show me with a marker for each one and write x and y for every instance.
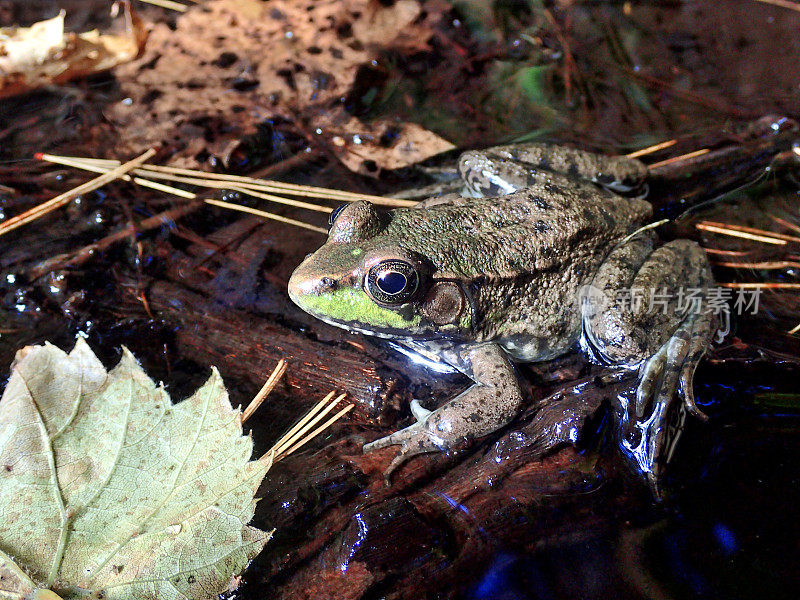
(43, 54)
(367, 148)
(231, 64)
(380, 24)
(108, 488)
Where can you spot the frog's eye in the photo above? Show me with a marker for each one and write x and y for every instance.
(336, 212)
(392, 281)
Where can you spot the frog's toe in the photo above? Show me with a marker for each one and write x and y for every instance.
(404, 436)
(671, 369)
(407, 452)
(686, 389)
(650, 375)
(665, 375)
(702, 332)
(413, 440)
(420, 413)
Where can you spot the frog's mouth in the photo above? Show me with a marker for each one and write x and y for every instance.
(351, 308)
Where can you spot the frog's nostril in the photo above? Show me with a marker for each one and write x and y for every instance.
(327, 283)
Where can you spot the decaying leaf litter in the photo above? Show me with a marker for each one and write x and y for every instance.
(44, 54)
(230, 252)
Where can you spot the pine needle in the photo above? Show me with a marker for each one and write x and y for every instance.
(675, 159)
(727, 252)
(294, 448)
(266, 215)
(87, 166)
(766, 265)
(762, 286)
(314, 416)
(747, 233)
(268, 386)
(643, 228)
(168, 4)
(77, 163)
(204, 178)
(98, 166)
(67, 197)
(782, 3)
(651, 149)
(303, 431)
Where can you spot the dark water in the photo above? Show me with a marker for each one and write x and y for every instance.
(642, 73)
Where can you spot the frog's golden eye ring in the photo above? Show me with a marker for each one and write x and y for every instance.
(336, 212)
(392, 282)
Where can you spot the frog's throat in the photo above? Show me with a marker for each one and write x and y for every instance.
(353, 309)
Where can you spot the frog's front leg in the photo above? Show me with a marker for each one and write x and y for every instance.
(645, 326)
(485, 407)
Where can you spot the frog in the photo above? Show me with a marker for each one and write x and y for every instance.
(526, 263)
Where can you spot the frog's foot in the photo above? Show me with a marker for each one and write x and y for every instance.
(413, 440)
(665, 375)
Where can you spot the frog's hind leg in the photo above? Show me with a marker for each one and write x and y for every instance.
(649, 326)
(505, 169)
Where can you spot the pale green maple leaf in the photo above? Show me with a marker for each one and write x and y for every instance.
(109, 490)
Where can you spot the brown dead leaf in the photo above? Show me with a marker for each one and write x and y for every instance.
(43, 54)
(368, 147)
(232, 64)
(381, 23)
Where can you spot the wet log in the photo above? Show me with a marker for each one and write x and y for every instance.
(246, 347)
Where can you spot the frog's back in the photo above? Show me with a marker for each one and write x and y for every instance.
(523, 257)
(530, 231)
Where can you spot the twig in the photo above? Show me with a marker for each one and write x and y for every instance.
(287, 164)
(686, 95)
(66, 197)
(569, 61)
